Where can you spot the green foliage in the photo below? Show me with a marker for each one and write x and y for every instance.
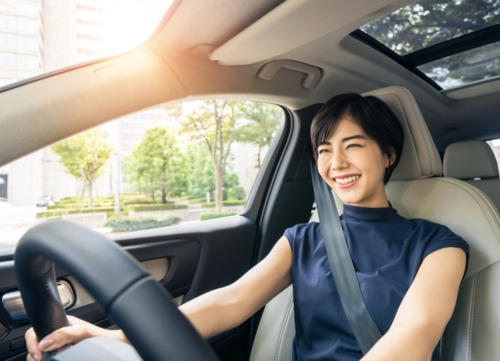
(237, 192)
(211, 215)
(157, 165)
(201, 175)
(214, 123)
(62, 211)
(230, 203)
(262, 123)
(81, 203)
(153, 207)
(85, 156)
(430, 22)
(125, 224)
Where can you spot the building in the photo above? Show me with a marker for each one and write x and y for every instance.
(39, 36)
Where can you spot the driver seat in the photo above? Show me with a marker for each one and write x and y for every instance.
(417, 190)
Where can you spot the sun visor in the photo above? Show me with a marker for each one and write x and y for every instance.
(293, 24)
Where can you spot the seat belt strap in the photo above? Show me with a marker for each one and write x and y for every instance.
(364, 328)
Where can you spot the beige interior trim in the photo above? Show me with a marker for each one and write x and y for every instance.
(295, 23)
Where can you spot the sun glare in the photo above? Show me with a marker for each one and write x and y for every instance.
(128, 23)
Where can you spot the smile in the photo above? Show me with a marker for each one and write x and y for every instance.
(346, 180)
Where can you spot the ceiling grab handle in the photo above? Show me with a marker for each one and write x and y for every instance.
(313, 74)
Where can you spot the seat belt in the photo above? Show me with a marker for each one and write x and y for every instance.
(361, 322)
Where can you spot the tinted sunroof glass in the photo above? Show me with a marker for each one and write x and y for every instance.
(431, 22)
(474, 65)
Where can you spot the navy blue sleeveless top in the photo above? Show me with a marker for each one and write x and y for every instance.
(387, 251)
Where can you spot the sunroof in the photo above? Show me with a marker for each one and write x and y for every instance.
(470, 66)
(449, 43)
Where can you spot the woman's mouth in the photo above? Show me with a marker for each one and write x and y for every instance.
(346, 182)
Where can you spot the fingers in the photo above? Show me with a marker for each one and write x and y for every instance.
(77, 331)
(64, 336)
(34, 352)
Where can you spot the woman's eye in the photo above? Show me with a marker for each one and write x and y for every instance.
(352, 145)
(321, 151)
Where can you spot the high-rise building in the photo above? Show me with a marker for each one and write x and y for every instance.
(21, 40)
(39, 36)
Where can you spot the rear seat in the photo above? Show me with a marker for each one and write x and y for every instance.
(474, 163)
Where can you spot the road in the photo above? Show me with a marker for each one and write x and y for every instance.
(14, 222)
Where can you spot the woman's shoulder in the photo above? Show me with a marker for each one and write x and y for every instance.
(303, 232)
(302, 228)
(437, 236)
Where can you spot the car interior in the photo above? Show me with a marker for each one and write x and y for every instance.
(296, 54)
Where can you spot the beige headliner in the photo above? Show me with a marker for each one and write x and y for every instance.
(175, 65)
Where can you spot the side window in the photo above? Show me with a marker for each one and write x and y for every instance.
(495, 146)
(184, 162)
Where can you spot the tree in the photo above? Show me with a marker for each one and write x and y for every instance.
(85, 156)
(430, 22)
(157, 164)
(202, 175)
(215, 123)
(263, 121)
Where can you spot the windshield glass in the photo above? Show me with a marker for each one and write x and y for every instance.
(39, 36)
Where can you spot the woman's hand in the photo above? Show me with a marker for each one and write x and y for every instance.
(77, 331)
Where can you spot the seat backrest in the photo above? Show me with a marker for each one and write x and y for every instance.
(474, 162)
(416, 190)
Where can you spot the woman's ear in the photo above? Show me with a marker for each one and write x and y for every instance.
(390, 159)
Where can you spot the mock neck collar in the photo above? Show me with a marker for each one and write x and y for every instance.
(365, 214)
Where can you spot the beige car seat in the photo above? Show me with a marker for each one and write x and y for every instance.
(416, 192)
(474, 163)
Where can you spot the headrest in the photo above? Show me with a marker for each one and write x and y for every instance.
(420, 158)
(468, 160)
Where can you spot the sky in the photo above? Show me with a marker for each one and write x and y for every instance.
(128, 23)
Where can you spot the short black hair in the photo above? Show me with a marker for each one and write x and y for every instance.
(376, 119)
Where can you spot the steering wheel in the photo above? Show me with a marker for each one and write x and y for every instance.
(130, 296)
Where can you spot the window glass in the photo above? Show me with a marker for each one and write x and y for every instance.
(470, 66)
(430, 22)
(158, 174)
(57, 34)
(495, 146)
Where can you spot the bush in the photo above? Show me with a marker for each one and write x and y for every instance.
(211, 215)
(125, 224)
(51, 214)
(154, 207)
(240, 193)
(234, 202)
(62, 211)
(225, 203)
(81, 205)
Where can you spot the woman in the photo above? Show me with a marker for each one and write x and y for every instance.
(409, 270)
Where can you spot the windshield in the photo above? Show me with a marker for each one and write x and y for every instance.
(38, 36)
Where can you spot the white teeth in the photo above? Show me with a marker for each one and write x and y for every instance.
(346, 180)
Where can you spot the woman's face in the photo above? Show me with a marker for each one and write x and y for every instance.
(353, 165)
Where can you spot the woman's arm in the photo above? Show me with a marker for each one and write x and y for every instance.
(210, 313)
(227, 307)
(426, 309)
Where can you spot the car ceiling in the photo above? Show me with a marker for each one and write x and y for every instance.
(175, 64)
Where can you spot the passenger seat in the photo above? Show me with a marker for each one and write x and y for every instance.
(474, 162)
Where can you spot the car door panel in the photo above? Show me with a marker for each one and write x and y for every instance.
(188, 260)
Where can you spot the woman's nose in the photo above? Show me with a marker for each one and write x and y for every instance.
(339, 161)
